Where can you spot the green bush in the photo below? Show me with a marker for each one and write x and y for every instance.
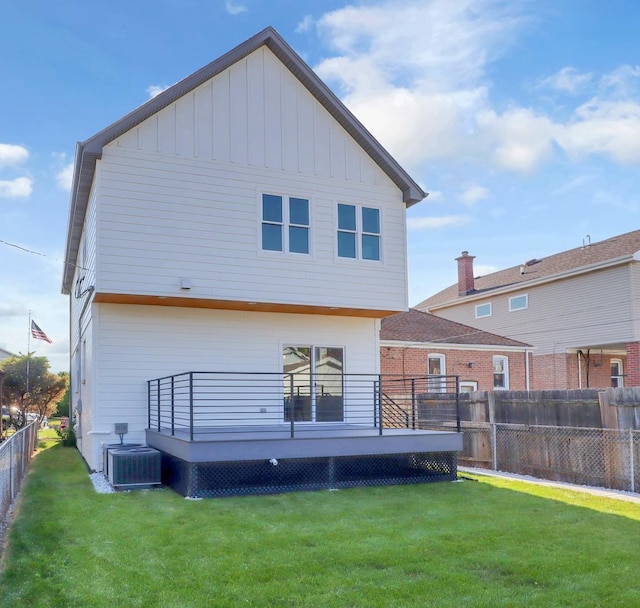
(68, 436)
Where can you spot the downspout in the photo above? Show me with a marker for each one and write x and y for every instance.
(527, 381)
(580, 369)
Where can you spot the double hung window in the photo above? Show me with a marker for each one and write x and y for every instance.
(358, 232)
(285, 224)
(500, 372)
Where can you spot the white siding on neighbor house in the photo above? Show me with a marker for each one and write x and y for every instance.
(634, 273)
(180, 196)
(591, 309)
(140, 343)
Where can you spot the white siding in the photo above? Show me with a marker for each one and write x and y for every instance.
(140, 343)
(591, 309)
(180, 197)
(161, 221)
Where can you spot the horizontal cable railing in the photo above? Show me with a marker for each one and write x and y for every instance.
(194, 403)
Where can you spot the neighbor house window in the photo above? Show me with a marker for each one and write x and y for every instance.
(358, 232)
(436, 382)
(617, 375)
(483, 310)
(500, 372)
(285, 224)
(518, 302)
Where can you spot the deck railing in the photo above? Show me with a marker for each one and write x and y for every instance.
(195, 403)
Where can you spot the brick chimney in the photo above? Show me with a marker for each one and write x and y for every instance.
(465, 274)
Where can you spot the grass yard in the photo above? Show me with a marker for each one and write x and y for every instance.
(489, 542)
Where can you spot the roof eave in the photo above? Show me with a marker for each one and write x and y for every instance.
(454, 346)
(519, 286)
(90, 150)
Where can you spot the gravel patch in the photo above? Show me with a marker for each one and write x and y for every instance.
(101, 483)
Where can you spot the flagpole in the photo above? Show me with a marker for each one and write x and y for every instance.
(28, 349)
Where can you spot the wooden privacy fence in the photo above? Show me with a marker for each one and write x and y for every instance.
(606, 458)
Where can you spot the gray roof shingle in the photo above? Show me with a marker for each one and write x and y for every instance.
(623, 245)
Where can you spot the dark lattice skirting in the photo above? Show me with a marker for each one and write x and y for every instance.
(209, 479)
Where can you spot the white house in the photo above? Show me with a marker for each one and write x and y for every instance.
(238, 220)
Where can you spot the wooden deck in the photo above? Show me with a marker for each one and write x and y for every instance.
(239, 443)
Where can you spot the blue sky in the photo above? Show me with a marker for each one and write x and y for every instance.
(521, 118)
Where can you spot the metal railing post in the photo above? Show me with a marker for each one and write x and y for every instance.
(458, 403)
(149, 404)
(191, 406)
(173, 406)
(378, 400)
(158, 394)
(413, 403)
(292, 405)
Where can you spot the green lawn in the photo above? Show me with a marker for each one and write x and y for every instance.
(489, 542)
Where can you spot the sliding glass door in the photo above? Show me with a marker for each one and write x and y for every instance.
(313, 383)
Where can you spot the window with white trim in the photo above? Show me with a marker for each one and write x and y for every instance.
(483, 310)
(518, 302)
(436, 382)
(285, 224)
(359, 232)
(617, 374)
(500, 372)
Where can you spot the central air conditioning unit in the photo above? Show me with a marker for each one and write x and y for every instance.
(134, 468)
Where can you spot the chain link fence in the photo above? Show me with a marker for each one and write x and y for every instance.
(15, 455)
(606, 458)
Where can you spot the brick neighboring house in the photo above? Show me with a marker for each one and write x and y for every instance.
(579, 308)
(416, 343)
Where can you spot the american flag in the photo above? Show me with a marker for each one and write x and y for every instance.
(38, 334)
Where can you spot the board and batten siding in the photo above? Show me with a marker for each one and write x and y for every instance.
(180, 196)
(593, 308)
(140, 343)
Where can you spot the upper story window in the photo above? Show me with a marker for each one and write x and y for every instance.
(285, 224)
(518, 302)
(500, 372)
(358, 232)
(483, 310)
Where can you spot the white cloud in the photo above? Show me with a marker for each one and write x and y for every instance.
(155, 89)
(233, 8)
(64, 177)
(474, 194)
(12, 155)
(20, 187)
(414, 71)
(611, 128)
(568, 80)
(520, 139)
(623, 81)
(305, 25)
(436, 223)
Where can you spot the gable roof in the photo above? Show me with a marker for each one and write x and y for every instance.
(616, 250)
(417, 326)
(89, 151)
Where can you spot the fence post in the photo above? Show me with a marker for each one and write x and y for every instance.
(632, 465)
(494, 446)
